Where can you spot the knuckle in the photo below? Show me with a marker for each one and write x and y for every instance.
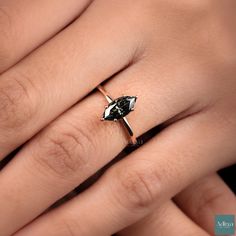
(140, 185)
(17, 102)
(64, 149)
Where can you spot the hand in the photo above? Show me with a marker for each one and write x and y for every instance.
(178, 57)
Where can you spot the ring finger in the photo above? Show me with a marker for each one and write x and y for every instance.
(56, 76)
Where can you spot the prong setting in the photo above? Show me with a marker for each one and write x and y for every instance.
(118, 109)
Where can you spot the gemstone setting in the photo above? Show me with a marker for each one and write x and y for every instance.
(119, 108)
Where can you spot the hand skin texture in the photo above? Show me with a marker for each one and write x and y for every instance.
(179, 57)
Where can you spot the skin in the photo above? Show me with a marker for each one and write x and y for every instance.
(184, 50)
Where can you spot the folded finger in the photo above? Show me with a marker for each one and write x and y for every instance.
(206, 198)
(147, 178)
(61, 72)
(165, 220)
(74, 146)
(24, 25)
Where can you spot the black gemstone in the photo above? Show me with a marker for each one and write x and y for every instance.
(119, 108)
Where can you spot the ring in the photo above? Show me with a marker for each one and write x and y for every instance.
(117, 110)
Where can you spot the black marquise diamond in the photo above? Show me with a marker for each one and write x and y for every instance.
(119, 108)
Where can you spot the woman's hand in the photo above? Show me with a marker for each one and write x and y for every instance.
(177, 56)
